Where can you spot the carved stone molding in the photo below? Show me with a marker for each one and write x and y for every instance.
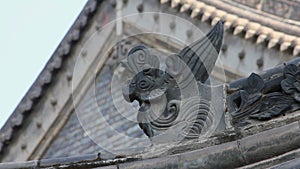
(282, 8)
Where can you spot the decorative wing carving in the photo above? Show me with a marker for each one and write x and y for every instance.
(200, 56)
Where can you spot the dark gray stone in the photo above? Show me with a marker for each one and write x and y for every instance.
(67, 160)
(274, 161)
(107, 167)
(266, 96)
(270, 143)
(226, 155)
(158, 163)
(175, 91)
(292, 164)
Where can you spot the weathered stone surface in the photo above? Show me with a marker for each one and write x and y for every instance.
(107, 167)
(270, 143)
(252, 149)
(67, 160)
(260, 98)
(23, 165)
(289, 156)
(159, 163)
(171, 100)
(292, 164)
(221, 156)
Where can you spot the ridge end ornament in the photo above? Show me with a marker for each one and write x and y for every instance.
(171, 101)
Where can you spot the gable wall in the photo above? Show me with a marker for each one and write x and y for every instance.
(68, 142)
(51, 140)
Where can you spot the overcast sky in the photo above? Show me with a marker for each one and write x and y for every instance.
(30, 32)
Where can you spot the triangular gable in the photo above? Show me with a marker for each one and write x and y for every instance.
(47, 106)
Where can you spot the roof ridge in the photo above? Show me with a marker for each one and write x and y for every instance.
(233, 149)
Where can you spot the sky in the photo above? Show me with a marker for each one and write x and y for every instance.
(30, 31)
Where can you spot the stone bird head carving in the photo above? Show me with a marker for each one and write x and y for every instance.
(162, 93)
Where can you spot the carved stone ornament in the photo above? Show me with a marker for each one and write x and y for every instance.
(263, 99)
(170, 99)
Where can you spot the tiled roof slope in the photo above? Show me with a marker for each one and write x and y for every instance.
(73, 140)
(45, 77)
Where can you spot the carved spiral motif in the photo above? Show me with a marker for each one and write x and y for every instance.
(144, 84)
(194, 112)
(164, 121)
(140, 59)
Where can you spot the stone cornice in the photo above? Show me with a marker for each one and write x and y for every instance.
(243, 22)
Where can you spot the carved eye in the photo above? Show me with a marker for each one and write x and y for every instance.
(144, 84)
